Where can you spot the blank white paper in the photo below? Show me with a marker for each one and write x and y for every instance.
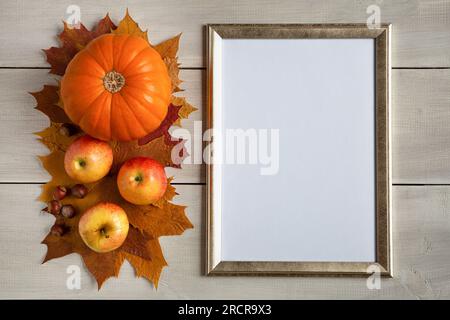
(320, 206)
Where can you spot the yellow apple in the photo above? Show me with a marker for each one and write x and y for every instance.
(142, 181)
(88, 159)
(104, 227)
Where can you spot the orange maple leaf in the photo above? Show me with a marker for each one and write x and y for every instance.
(147, 223)
(168, 51)
(128, 26)
(185, 109)
(169, 48)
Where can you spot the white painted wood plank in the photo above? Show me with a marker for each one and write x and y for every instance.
(421, 30)
(421, 224)
(421, 134)
(421, 130)
(421, 257)
(19, 119)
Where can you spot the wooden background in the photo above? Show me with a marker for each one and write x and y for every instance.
(421, 149)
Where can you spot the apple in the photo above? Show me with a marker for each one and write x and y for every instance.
(142, 181)
(103, 227)
(88, 159)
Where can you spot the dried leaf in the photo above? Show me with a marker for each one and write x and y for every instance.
(168, 220)
(54, 164)
(73, 40)
(157, 149)
(168, 51)
(147, 218)
(128, 26)
(54, 140)
(147, 223)
(149, 269)
(173, 67)
(56, 248)
(135, 244)
(103, 265)
(105, 25)
(47, 103)
(168, 195)
(185, 109)
(169, 48)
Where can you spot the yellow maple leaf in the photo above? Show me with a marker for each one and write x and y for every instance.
(169, 48)
(185, 110)
(128, 26)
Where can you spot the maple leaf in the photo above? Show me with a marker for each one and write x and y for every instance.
(149, 269)
(105, 25)
(47, 103)
(168, 219)
(168, 51)
(56, 248)
(73, 40)
(161, 219)
(128, 26)
(169, 48)
(184, 111)
(102, 265)
(141, 247)
(168, 195)
(173, 68)
(135, 244)
(53, 163)
(157, 149)
(52, 138)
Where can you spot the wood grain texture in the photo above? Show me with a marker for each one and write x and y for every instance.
(421, 242)
(19, 119)
(421, 130)
(421, 27)
(421, 134)
(422, 239)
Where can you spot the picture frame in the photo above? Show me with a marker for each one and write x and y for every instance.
(235, 256)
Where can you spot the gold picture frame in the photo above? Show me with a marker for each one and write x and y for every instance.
(382, 37)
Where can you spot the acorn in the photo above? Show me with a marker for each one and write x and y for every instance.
(59, 193)
(57, 230)
(68, 211)
(54, 207)
(68, 129)
(79, 191)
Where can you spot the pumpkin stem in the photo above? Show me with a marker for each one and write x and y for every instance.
(113, 81)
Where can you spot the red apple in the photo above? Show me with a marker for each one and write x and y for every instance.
(88, 159)
(142, 181)
(103, 227)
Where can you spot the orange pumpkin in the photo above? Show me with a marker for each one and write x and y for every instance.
(117, 88)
